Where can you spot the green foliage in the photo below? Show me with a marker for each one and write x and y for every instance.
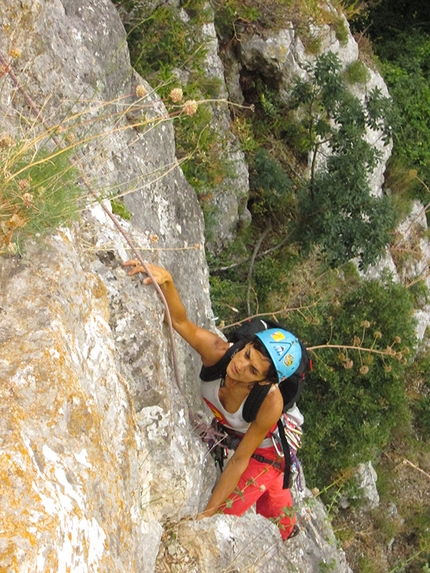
(226, 296)
(407, 74)
(271, 188)
(118, 208)
(353, 399)
(356, 73)
(337, 211)
(39, 191)
(400, 31)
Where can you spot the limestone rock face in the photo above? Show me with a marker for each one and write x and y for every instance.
(69, 447)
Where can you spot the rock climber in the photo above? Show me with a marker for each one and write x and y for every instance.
(254, 473)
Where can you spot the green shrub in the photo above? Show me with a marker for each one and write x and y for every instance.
(353, 399)
(271, 190)
(357, 73)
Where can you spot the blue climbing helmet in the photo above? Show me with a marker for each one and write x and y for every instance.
(284, 349)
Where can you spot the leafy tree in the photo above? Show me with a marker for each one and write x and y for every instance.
(337, 211)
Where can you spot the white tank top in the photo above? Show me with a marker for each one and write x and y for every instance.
(235, 421)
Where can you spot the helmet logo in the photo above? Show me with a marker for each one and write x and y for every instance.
(288, 359)
(277, 336)
(280, 349)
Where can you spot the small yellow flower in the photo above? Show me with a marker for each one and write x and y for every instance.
(190, 107)
(15, 53)
(141, 91)
(176, 95)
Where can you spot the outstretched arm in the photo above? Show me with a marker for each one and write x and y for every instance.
(210, 346)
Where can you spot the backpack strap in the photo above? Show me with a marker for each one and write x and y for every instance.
(287, 455)
(209, 373)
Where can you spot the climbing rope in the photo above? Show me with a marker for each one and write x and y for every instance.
(7, 68)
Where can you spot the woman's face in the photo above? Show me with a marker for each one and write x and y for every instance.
(248, 365)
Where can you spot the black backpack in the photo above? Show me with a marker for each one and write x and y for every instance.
(290, 388)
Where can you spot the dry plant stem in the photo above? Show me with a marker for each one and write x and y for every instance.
(274, 313)
(37, 113)
(408, 463)
(259, 256)
(346, 347)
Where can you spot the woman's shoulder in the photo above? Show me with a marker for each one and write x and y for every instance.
(272, 404)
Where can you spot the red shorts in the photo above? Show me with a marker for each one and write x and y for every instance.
(261, 483)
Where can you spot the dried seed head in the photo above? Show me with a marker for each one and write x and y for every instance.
(141, 91)
(28, 199)
(348, 364)
(6, 141)
(315, 491)
(398, 339)
(356, 341)
(24, 184)
(190, 107)
(388, 368)
(378, 334)
(365, 324)
(176, 95)
(364, 370)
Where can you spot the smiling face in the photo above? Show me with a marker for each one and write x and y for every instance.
(248, 365)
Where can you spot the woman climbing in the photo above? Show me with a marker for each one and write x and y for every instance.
(254, 474)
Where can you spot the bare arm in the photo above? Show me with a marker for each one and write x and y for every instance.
(210, 346)
(268, 414)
